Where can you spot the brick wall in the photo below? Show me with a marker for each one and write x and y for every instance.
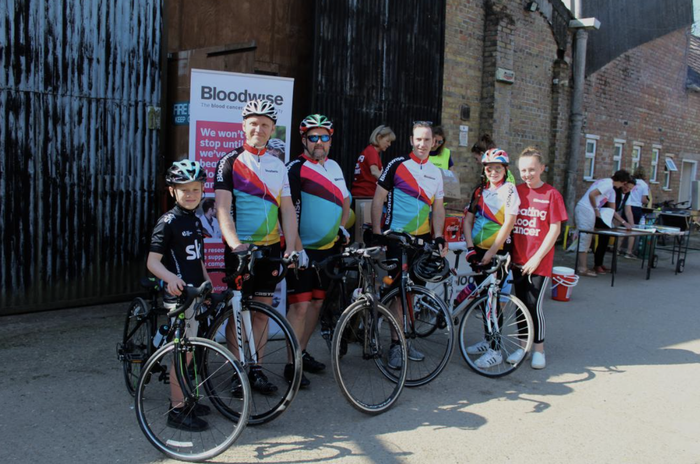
(481, 37)
(464, 40)
(641, 97)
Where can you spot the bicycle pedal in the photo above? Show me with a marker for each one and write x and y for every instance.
(120, 351)
(441, 323)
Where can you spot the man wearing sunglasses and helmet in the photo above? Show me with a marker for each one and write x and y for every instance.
(322, 204)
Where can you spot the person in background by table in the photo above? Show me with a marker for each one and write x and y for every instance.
(369, 164)
(639, 196)
(587, 213)
(623, 213)
(439, 153)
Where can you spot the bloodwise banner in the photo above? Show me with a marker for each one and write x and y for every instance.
(216, 127)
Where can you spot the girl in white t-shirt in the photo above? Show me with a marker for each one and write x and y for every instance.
(587, 213)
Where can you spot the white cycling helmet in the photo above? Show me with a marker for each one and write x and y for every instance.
(314, 121)
(276, 144)
(260, 108)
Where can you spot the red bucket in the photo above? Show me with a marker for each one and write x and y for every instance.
(563, 280)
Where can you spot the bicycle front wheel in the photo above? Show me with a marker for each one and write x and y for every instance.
(511, 330)
(277, 359)
(359, 371)
(430, 338)
(136, 345)
(192, 432)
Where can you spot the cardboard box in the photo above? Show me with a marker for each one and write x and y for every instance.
(451, 186)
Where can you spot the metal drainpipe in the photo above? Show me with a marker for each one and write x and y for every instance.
(581, 39)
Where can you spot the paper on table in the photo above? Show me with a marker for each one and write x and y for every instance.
(606, 215)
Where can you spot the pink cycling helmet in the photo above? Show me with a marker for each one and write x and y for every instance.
(495, 155)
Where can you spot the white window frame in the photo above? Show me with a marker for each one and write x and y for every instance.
(589, 166)
(636, 156)
(667, 171)
(655, 155)
(617, 155)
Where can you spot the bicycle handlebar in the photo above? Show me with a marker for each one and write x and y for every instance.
(350, 257)
(496, 262)
(406, 240)
(189, 294)
(247, 259)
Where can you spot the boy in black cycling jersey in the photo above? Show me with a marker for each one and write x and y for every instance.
(176, 257)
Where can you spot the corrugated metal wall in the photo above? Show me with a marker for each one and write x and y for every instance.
(377, 62)
(77, 161)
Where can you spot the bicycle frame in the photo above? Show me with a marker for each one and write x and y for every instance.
(241, 320)
(179, 338)
(491, 283)
(367, 277)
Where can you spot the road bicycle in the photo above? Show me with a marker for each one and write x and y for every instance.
(181, 385)
(339, 294)
(491, 319)
(146, 328)
(426, 321)
(261, 339)
(365, 334)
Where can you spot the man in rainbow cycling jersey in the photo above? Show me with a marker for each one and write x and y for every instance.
(322, 203)
(412, 188)
(251, 189)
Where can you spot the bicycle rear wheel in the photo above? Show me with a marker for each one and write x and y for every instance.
(174, 435)
(430, 340)
(275, 352)
(136, 345)
(515, 331)
(360, 371)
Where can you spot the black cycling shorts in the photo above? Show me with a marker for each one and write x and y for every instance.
(308, 284)
(264, 282)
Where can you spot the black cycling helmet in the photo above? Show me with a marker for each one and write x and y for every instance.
(185, 171)
(260, 108)
(431, 268)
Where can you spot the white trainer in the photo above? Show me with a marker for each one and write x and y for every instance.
(516, 356)
(491, 358)
(538, 361)
(478, 348)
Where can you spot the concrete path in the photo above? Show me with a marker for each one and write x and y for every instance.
(621, 385)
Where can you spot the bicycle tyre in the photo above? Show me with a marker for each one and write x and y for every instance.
(153, 404)
(434, 334)
(359, 376)
(472, 330)
(136, 345)
(265, 408)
